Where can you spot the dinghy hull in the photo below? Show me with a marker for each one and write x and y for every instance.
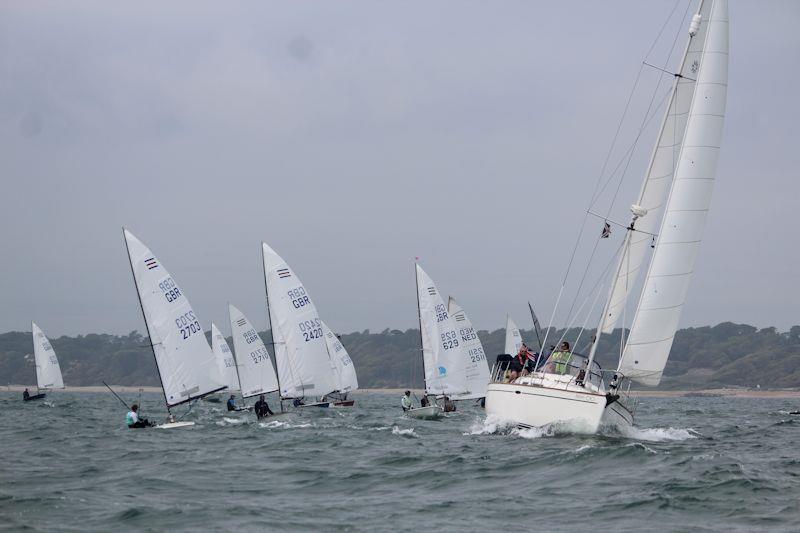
(344, 403)
(32, 397)
(430, 412)
(175, 425)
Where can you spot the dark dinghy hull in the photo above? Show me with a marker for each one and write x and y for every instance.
(32, 397)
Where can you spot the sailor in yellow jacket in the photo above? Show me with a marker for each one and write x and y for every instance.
(561, 358)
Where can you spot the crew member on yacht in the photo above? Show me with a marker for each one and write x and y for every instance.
(561, 358)
(406, 401)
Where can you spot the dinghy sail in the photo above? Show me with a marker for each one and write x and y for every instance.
(256, 373)
(513, 337)
(225, 359)
(342, 366)
(48, 371)
(441, 346)
(476, 369)
(186, 365)
(301, 352)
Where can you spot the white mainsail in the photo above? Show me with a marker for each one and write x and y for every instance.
(48, 372)
(344, 371)
(513, 337)
(660, 173)
(441, 346)
(671, 268)
(300, 349)
(186, 365)
(256, 374)
(476, 369)
(225, 359)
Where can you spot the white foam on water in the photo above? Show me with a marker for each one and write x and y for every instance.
(533, 433)
(409, 432)
(275, 424)
(658, 434)
(227, 421)
(651, 451)
(583, 448)
(490, 425)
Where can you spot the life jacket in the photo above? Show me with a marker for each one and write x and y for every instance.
(561, 359)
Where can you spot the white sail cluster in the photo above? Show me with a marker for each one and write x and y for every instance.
(256, 373)
(48, 371)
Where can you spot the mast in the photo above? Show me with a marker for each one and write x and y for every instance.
(271, 327)
(636, 210)
(419, 318)
(146, 325)
(235, 359)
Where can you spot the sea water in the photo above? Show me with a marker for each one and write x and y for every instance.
(690, 464)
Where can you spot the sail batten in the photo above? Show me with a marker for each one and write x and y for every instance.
(667, 282)
(186, 365)
(48, 371)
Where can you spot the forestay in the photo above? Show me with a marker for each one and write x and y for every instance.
(344, 371)
(667, 281)
(256, 373)
(659, 175)
(225, 359)
(300, 349)
(513, 337)
(441, 346)
(48, 372)
(476, 369)
(186, 365)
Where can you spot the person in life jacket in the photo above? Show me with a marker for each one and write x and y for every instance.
(232, 403)
(561, 358)
(133, 420)
(262, 408)
(405, 402)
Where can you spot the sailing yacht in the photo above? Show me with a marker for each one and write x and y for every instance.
(442, 351)
(48, 372)
(301, 352)
(187, 368)
(668, 216)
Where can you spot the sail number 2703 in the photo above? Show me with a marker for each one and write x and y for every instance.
(188, 325)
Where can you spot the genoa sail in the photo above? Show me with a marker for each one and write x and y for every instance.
(225, 359)
(667, 282)
(513, 337)
(476, 369)
(48, 372)
(186, 365)
(441, 346)
(301, 352)
(256, 373)
(344, 371)
(660, 174)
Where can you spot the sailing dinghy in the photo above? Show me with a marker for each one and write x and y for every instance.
(668, 216)
(256, 374)
(344, 373)
(513, 337)
(301, 353)
(442, 354)
(48, 372)
(186, 365)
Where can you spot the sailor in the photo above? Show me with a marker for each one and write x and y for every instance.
(133, 420)
(612, 387)
(261, 408)
(26, 395)
(232, 403)
(449, 405)
(561, 358)
(406, 401)
(526, 359)
(424, 402)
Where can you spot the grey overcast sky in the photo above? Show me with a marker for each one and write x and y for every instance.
(354, 136)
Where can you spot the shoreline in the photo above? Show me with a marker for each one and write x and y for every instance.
(728, 393)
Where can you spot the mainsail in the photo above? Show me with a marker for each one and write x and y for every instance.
(662, 169)
(672, 266)
(186, 365)
(441, 346)
(342, 366)
(225, 359)
(476, 369)
(48, 372)
(256, 373)
(300, 349)
(513, 337)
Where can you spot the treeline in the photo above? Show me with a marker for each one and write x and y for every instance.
(723, 355)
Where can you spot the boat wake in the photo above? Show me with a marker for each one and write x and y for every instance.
(494, 425)
(409, 432)
(651, 434)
